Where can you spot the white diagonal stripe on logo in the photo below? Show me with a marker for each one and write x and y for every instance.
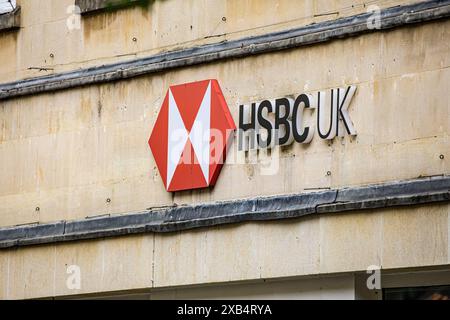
(200, 133)
(177, 136)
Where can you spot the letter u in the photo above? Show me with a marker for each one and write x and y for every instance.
(321, 115)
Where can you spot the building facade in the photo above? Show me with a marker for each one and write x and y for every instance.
(356, 207)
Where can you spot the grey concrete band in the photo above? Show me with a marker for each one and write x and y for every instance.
(170, 219)
(307, 35)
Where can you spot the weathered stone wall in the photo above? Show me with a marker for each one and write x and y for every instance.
(67, 152)
(161, 26)
(393, 238)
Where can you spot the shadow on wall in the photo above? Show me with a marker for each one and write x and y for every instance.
(112, 5)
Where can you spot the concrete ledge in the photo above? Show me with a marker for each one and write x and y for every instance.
(292, 38)
(92, 6)
(10, 20)
(171, 219)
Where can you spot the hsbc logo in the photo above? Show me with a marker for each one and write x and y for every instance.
(194, 129)
(191, 135)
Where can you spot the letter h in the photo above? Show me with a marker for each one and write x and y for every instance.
(247, 127)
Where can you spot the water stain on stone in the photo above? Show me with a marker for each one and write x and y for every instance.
(99, 109)
(98, 22)
(40, 174)
(101, 20)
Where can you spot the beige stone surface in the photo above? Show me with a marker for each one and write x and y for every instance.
(192, 257)
(394, 238)
(422, 240)
(107, 265)
(350, 241)
(31, 272)
(291, 247)
(122, 263)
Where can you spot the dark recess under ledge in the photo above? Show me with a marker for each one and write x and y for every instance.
(10, 20)
(93, 6)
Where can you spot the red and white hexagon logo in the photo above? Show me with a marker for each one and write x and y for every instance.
(191, 135)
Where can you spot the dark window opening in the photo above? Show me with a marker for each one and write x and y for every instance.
(417, 293)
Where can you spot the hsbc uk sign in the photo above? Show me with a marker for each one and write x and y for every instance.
(279, 122)
(194, 128)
